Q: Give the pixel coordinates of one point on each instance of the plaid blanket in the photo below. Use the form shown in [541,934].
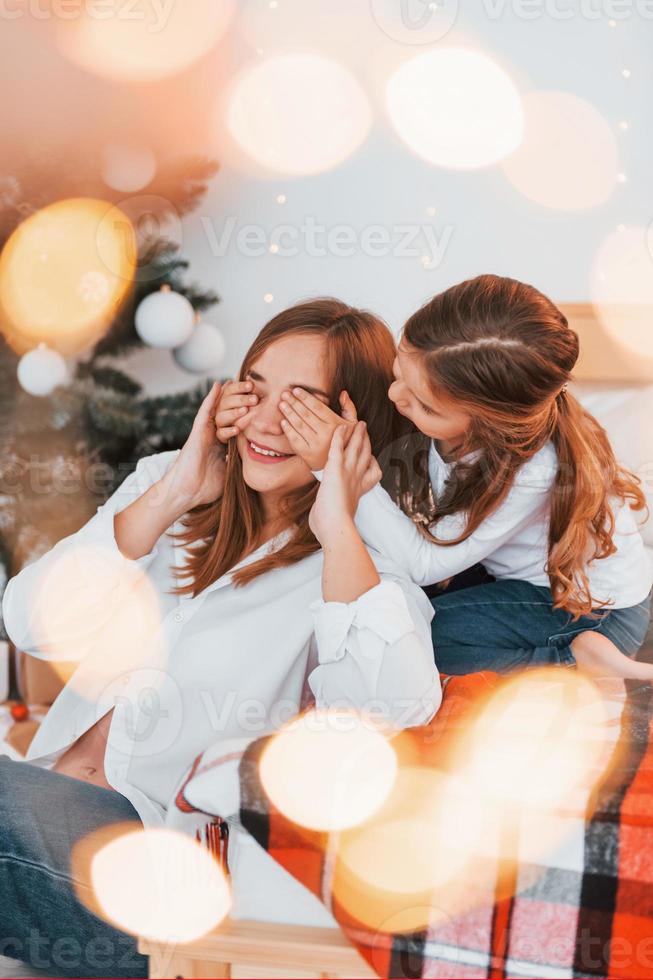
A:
[578,905]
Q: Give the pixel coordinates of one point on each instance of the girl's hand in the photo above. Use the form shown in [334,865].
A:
[197,475]
[351,470]
[309,424]
[232,413]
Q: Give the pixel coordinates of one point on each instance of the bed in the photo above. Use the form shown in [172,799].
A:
[550,888]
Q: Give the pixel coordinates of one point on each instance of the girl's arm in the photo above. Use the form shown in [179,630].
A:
[310,425]
[372,632]
[348,570]
[382,524]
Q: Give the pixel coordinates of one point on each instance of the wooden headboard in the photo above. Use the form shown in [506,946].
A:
[602,358]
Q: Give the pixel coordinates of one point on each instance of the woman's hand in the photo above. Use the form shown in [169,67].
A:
[309,424]
[197,475]
[351,470]
[233,407]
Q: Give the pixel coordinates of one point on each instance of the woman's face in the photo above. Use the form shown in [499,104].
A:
[269,465]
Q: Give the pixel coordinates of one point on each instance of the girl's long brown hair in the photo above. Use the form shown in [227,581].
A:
[359,352]
[505,353]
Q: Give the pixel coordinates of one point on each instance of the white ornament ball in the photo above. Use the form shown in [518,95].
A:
[165,319]
[41,370]
[203,352]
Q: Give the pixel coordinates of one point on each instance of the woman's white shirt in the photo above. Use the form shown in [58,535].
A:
[183,672]
[512,543]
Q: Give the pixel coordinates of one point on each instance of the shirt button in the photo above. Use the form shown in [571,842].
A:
[179,617]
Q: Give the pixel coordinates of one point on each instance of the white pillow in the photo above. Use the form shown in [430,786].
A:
[626,413]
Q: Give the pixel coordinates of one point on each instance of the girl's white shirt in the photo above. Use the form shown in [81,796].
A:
[231,662]
[512,543]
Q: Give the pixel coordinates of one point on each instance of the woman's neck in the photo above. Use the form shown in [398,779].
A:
[274,520]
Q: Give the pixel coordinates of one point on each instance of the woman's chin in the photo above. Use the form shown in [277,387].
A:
[276,477]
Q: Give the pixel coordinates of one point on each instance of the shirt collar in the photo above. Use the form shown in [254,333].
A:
[467,458]
[268,547]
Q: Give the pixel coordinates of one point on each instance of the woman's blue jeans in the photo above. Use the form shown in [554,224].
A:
[42,922]
[509,624]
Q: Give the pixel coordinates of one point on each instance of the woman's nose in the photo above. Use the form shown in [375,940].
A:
[267,416]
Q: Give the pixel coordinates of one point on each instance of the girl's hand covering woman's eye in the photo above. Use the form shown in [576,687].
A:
[351,470]
[309,424]
[233,408]
[197,475]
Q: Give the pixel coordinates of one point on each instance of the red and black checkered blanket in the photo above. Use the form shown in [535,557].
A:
[560,890]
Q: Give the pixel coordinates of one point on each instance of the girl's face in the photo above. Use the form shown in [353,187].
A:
[294,361]
[438,417]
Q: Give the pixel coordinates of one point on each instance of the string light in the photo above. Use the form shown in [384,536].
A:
[621,178]
[281,198]
[274,248]
[625,72]
[624,125]
[430,211]
[612,23]
[268,298]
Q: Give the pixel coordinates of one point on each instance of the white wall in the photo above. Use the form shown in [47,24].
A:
[492,228]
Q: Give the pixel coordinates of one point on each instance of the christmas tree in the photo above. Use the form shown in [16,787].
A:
[63,455]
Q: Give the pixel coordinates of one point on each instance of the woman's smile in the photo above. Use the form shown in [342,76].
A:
[261,453]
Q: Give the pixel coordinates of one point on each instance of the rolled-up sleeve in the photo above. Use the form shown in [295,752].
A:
[376,654]
[96,572]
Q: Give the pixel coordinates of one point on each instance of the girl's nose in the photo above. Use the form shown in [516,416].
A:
[396,393]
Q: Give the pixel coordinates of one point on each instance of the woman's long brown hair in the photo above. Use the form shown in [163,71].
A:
[504,353]
[359,351]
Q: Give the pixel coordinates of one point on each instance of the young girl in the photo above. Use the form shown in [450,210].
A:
[260,597]
[505,469]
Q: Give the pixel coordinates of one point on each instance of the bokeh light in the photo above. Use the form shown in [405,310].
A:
[456,108]
[328,769]
[110,640]
[525,759]
[128,167]
[155,883]
[298,113]
[622,287]
[540,738]
[420,843]
[63,273]
[145,43]
[568,158]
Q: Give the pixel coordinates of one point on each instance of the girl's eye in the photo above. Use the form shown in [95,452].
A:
[427,410]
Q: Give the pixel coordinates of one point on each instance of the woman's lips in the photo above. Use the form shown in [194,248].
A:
[262,457]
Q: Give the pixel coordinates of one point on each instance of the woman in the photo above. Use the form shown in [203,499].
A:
[282,604]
